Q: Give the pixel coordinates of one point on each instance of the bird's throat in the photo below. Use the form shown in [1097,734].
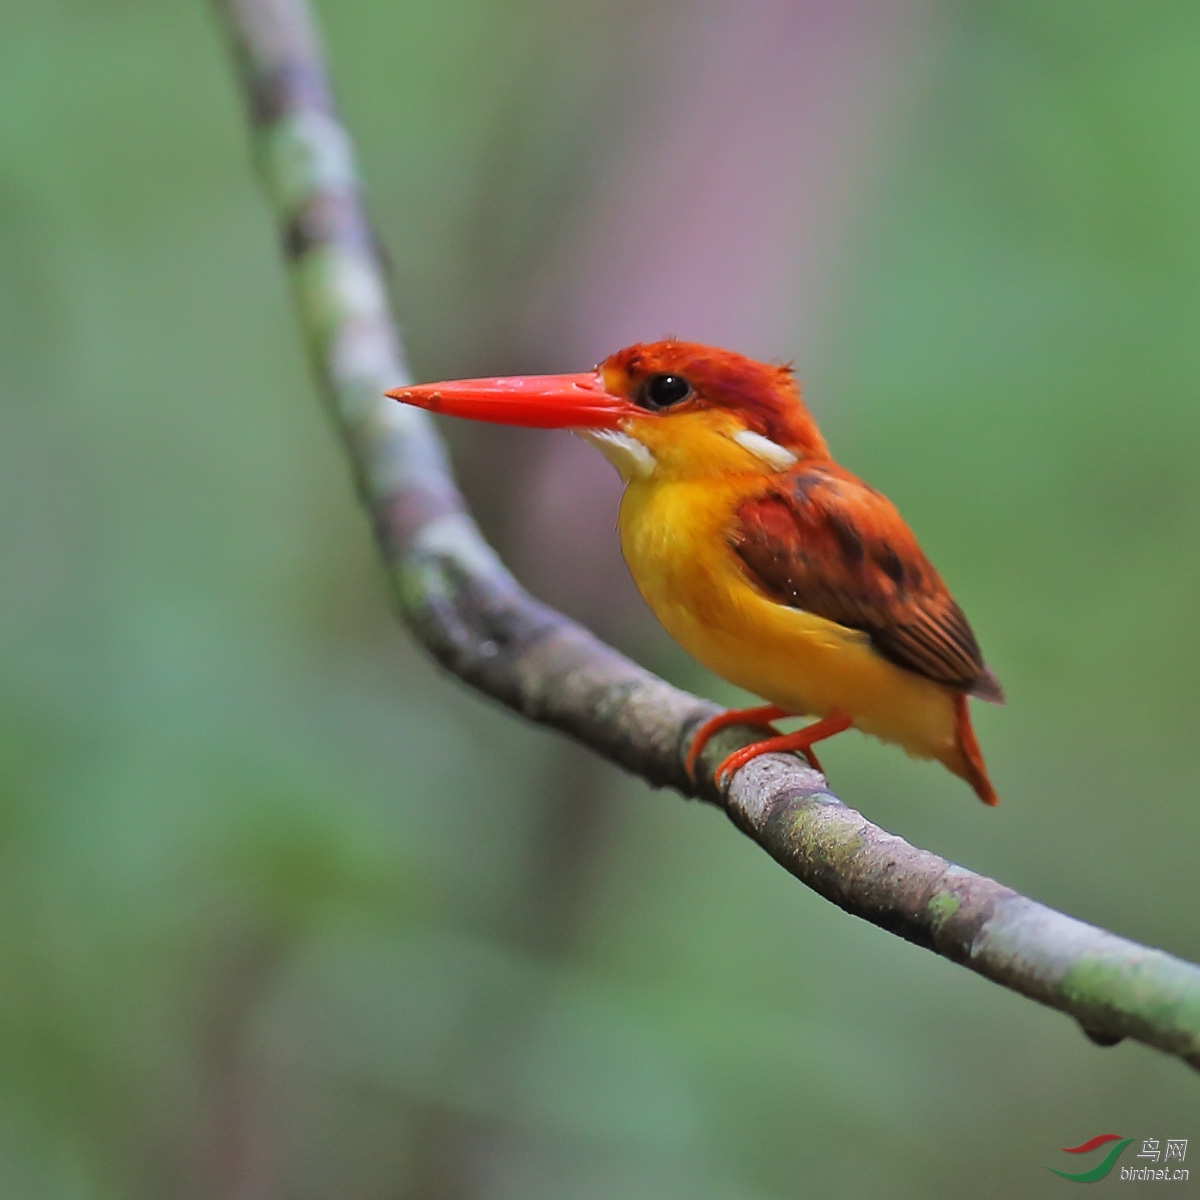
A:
[632,458]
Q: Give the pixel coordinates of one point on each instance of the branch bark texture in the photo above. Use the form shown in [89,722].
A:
[461,603]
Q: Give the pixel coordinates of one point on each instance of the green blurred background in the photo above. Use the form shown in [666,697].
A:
[284,912]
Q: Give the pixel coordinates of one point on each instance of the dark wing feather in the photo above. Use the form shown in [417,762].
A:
[824,542]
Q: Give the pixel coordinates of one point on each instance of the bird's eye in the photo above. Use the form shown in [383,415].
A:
[661,391]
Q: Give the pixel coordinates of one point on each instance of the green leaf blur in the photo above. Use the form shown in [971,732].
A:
[286,912]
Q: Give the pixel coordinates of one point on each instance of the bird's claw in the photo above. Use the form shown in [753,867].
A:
[762,716]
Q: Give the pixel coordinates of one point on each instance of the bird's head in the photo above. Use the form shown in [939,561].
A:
[666,408]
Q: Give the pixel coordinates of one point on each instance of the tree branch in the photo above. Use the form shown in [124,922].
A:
[462,604]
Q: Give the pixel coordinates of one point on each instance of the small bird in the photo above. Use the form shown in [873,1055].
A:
[773,566]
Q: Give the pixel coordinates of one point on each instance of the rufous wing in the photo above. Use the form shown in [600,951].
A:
[823,541]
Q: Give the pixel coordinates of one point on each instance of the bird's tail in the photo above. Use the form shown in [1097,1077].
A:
[970,765]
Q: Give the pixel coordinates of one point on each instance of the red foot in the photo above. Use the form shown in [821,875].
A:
[802,740]
[763,715]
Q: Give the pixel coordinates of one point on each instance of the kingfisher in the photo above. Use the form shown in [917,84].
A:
[769,563]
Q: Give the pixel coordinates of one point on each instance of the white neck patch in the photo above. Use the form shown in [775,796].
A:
[630,457]
[772,453]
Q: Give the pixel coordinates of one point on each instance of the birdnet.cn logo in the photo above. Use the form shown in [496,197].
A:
[1161,1160]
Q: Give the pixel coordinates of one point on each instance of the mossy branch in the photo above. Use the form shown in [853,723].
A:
[462,604]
